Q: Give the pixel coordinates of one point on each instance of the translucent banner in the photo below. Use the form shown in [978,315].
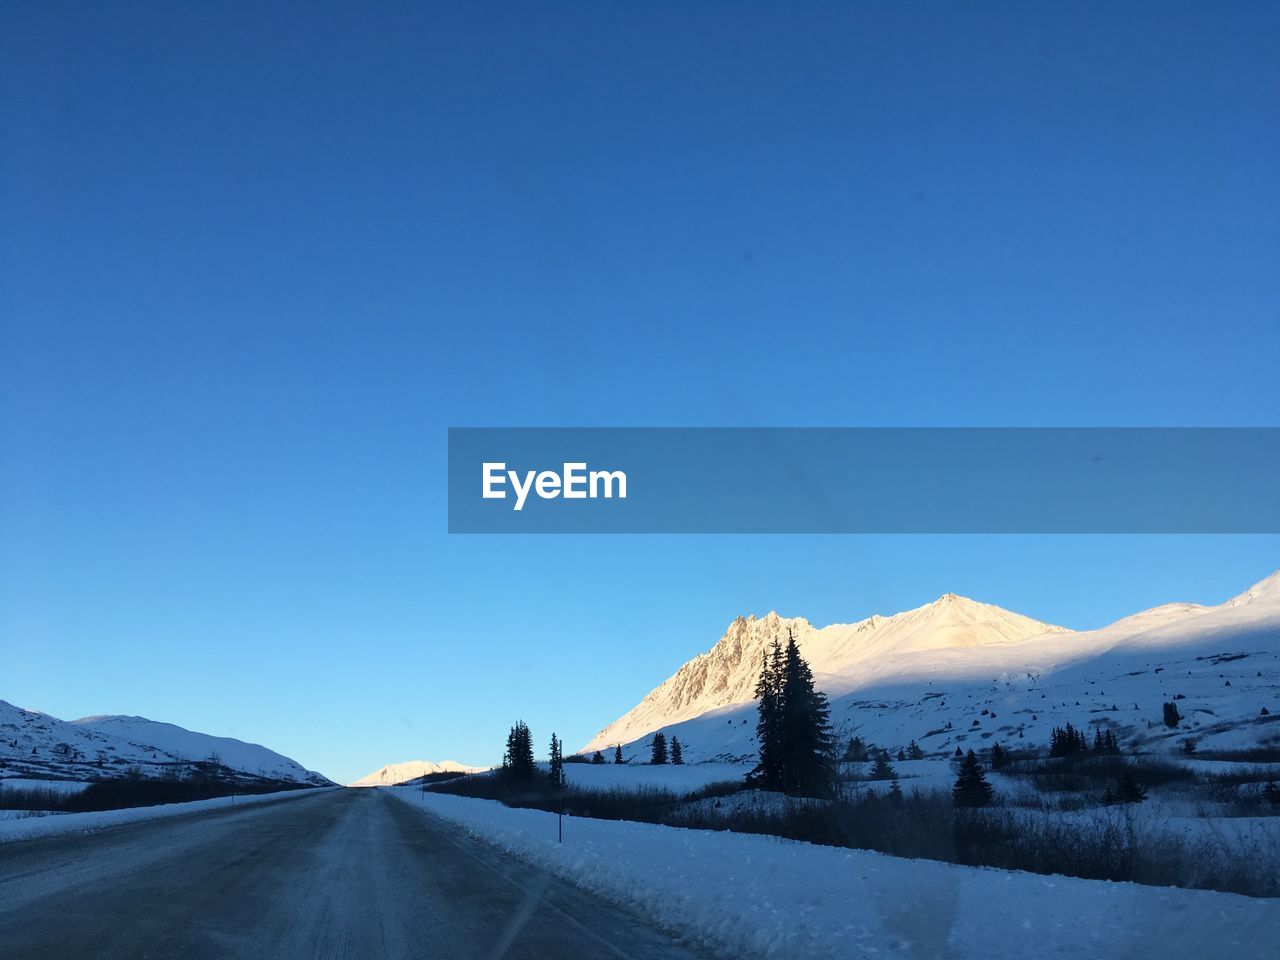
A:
[864,480]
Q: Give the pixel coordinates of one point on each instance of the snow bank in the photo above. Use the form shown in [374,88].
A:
[36,827]
[761,896]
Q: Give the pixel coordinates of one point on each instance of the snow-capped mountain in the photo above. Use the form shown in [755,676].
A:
[394,773]
[727,673]
[956,671]
[36,745]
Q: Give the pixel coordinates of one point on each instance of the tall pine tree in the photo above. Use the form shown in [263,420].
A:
[659,755]
[617,753]
[769,724]
[677,751]
[856,751]
[999,756]
[797,747]
[517,762]
[557,762]
[883,770]
[808,745]
[971,789]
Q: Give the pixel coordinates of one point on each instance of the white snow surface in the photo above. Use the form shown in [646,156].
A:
[38,746]
[961,673]
[59,824]
[755,896]
[677,778]
[394,773]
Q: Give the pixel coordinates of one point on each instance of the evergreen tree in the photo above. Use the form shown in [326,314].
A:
[677,752]
[856,751]
[557,762]
[971,789]
[617,754]
[895,792]
[1127,790]
[597,757]
[797,747]
[1065,741]
[914,751]
[883,770]
[1098,745]
[902,755]
[958,753]
[999,756]
[517,762]
[659,755]
[807,741]
[769,771]
[1171,715]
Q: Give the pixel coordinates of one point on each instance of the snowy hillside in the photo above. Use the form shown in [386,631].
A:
[37,745]
[727,674]
[958,672]
[394,773]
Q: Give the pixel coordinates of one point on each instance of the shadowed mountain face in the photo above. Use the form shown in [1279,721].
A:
[915,675]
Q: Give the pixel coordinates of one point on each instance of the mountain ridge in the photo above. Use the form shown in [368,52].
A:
[951,640]
[393,773]
[726,674]
[40,746]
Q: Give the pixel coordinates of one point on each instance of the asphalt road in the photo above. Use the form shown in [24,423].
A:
[347,873]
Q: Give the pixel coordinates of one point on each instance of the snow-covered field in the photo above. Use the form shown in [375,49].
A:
[760,896]
[677,778]
[35,827]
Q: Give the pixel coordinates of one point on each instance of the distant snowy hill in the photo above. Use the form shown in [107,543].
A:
[394,773]
[37,745]
[956,672]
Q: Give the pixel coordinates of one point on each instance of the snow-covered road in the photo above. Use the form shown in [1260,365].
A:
[347,873]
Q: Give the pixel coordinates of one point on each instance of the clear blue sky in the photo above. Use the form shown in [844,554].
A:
[253,263]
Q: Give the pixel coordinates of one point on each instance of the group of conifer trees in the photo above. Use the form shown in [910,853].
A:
[1064,741]
[794,726]
[518,763]
[661,755]
[517,759]
[1067,741]
[859,752]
